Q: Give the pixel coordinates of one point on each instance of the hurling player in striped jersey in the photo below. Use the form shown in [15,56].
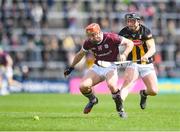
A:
[144,49]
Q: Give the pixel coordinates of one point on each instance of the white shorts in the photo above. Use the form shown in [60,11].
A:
[9,72]
[142,69]
[6,72]
[103,71]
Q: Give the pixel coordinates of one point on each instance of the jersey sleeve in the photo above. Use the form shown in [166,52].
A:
[122,32]
[147,34]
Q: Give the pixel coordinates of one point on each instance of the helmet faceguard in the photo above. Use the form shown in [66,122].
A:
[132,16]
[132,21]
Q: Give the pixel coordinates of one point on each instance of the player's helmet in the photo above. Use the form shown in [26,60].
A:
[93,28]
[132,16]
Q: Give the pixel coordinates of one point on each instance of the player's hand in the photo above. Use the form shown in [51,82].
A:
[144,59]
[122,57]
[68,71]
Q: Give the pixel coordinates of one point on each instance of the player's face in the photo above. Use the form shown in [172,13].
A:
[94,37]
[132,24]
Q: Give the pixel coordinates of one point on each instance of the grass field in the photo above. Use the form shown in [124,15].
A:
[63,112]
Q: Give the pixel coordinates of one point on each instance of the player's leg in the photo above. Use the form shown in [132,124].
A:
[130,76]
[111,79]
[151,83]
[88,81]
[8,78]
[3,86]
[0,84]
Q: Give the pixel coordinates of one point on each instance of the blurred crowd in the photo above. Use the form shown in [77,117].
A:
[42,36]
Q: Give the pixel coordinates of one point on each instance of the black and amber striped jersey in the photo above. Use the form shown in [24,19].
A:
[139,38]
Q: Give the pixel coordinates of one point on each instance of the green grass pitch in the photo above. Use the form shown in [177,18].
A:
[63,112]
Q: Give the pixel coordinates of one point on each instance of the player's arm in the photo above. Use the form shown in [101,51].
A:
[151,49]
[78,57]
[9,60]
[149,41]
[76,60]
[128,48]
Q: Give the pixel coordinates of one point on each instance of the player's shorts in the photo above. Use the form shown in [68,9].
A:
[103,71]
[143,70]
[6,72]
[9,72]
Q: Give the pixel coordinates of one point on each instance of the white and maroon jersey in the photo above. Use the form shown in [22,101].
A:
[107,50]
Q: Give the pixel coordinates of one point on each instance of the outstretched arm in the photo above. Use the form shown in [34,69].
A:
[76,60]
[129,46]
[9,60]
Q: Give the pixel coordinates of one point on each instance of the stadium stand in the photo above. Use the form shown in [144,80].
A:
[43,35]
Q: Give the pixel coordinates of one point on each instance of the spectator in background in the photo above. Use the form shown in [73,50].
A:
[68,45]
[17,24]
[6,72]
[177,54]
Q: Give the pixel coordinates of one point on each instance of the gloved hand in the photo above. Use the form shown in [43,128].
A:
[68,71]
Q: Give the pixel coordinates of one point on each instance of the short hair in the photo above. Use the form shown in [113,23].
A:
[93,28]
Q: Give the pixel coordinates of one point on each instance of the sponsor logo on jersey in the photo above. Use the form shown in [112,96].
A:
[137,42]
[105,54]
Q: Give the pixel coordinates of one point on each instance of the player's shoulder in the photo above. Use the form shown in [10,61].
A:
[124,30]
[146,31]
[86,43]
[110,34]
[144,26]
